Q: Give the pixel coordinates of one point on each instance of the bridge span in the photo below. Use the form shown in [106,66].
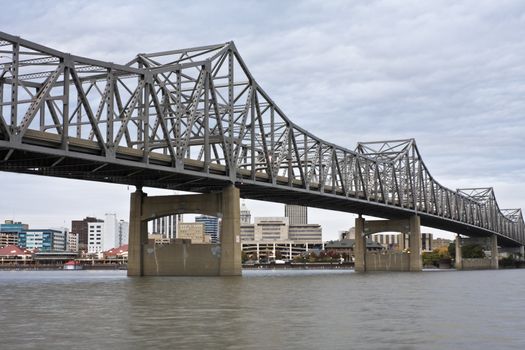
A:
[196,120]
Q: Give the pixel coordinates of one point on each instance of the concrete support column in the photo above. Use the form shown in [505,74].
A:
[258,256]
[359,245]
[416,263]
[138,234]
[230,262]
[522,252]
[494,252]
[401,242]
[459,255]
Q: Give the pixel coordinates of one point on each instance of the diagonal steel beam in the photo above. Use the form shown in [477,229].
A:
[39,100]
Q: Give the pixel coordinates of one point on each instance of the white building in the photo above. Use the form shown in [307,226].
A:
[271,229]
[72,242]
[95,237]
[110,235]
[102,236]
[166,226]
[246,215]
[274,238]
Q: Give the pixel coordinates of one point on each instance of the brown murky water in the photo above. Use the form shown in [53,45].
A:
[263,310]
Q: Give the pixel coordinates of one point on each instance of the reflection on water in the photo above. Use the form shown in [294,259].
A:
[264,309]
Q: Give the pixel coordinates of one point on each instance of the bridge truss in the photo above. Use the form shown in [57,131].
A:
[196,119]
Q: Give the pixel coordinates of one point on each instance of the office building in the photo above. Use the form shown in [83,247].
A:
[271,229]
[211,227]
[305,233]
[95,237]
[9,232]
[192,230]
[247,232]
[8,238]
[157,238]
[45,240]
[122,235]
[391,241]
[246,216]
[72,242]
[166,226]
[296,214]
[80,227]
[102,236]
[274,238]
[12,226]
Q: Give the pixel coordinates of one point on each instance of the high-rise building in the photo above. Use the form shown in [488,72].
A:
[296,214]
[166,225]
[80,227]
[211,227]
[246,216]
[122,236]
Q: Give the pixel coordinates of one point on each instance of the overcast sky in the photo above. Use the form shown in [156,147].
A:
[449,74]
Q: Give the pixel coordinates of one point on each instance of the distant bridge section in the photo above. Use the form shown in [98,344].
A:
[196,120]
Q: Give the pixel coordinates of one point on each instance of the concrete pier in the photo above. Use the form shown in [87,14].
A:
[360,245]
[388,261]
[182,258]
[494,252]
[138,234]
[230,261]
[416,262]
[459,255]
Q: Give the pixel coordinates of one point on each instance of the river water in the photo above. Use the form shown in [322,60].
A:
[270,309]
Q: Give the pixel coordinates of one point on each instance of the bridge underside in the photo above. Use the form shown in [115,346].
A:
[124,169]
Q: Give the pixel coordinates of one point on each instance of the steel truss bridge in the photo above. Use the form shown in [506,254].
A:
[195,120]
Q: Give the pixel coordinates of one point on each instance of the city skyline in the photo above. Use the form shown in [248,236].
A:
[410,76]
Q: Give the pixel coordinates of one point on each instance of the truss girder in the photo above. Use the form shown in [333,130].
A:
[200,108]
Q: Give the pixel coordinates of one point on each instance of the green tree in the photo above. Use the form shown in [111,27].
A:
[469,251]
[452,249]
[472,251]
